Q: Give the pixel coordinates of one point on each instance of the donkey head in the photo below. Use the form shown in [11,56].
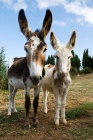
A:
[35,46]
[63,54]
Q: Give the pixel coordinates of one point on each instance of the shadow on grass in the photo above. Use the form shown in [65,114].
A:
[82,110]
[85,110]
[14,118]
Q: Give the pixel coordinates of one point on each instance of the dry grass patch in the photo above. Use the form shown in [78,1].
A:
[79,114]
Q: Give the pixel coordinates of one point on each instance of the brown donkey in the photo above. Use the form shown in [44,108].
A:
[27,72]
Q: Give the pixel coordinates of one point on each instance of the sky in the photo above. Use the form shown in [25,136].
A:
[68,15]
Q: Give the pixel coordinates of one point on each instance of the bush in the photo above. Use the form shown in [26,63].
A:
[73,71]
[81,71]
[3,76]
[4,84]
[87,70]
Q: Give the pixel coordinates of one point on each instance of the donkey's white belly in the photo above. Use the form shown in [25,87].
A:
[17,83]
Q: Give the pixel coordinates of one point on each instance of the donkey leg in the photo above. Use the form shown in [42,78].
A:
[27,107]
[35,105]
[13,103]
[10,87]
[45,95]
[57,106]
[63,104]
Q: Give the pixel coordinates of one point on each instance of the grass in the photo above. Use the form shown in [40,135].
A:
[4,132]
[79,111]
[82,133]
[3,92]
[14,118]
[90,125]
[79,114]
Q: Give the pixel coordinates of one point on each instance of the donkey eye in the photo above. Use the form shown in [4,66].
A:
[44,50]
[26,50]
[57,57]
[69,57]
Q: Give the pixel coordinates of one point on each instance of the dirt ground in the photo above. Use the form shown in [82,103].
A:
[80,127]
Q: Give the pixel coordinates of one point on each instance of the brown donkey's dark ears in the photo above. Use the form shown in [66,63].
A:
[47,22]
[23,24]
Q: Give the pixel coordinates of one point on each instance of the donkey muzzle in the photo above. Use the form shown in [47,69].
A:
[62,75]
[35,79]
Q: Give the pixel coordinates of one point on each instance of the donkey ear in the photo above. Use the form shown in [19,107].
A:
[54,41]
[47,22]
[71,43]
[23,24]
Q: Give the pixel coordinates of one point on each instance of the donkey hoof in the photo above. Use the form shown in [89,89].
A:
[9,114]
[27,126]
[15,110]
[45,111]
[64,121]
[35,125]
[56,124]
[56,121]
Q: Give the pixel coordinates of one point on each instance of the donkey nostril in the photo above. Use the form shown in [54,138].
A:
[66,74]
[30,78]
[40,77]
[63,74]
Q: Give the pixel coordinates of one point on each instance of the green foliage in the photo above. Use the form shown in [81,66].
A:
[81,71]
[87,61]
[87,70]
[3,77]
[83,59]
[75,61]
[50,60]
[73,71]
[75,64]
[91,63]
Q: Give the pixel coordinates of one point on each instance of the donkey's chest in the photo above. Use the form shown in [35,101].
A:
[61,84]
[19,83]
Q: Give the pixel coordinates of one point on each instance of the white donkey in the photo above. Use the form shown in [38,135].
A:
[27,72]
[57,78]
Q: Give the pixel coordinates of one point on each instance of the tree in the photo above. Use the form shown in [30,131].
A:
[75,61]
[50,60]
[83,60]
[92,62]
[87,61]
[3,77]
